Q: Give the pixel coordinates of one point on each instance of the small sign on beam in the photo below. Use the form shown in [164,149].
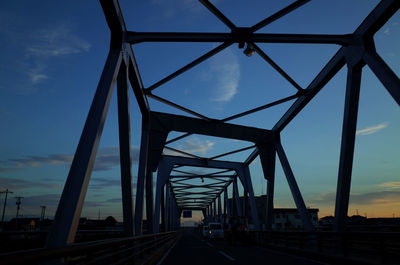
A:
[187,214]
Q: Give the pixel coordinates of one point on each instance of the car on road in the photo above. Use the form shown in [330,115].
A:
[215,230]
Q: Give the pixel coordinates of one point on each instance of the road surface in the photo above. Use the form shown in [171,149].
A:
[192,249]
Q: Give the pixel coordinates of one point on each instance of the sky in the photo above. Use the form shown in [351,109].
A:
[51,60]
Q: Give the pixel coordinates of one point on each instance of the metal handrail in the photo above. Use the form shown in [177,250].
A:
[87,249]
[374,246]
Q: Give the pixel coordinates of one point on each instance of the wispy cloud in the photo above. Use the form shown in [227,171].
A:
[106,159]
[34,51]
[19,184]
[193,146]
[56,41]
[394,185]
[367,198]
[372,129]
[225,69]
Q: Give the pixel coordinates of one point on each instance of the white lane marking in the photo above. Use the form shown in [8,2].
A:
[209,244]
[226,255]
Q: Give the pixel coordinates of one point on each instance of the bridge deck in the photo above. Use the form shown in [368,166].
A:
[191,248]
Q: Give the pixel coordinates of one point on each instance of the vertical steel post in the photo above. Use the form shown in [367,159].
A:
[268,161]
[245,178]
[294,188]
[347,145]
[204,211]
[163,224]
[163,172]
[215,210]
[245,203]
[167,208]
[142,171]
[227,209]
[149,200]
[236,204]
[125,149]
[71,202]
[219,209]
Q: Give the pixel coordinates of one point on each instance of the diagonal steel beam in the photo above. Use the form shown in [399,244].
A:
[71,202]
[268,105]
[172,104]
[218,14]
[278,14]
[276,66]
[182,152]
[189,66]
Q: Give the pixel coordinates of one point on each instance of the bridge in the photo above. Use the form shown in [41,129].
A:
[163,240]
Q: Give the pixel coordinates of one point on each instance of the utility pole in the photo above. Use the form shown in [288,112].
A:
[5,204]
[18,203]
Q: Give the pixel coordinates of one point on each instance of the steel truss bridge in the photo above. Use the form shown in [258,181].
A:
[174,190]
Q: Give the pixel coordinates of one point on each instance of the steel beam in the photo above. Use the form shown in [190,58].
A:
[164,170]
[219,209]
[245,178]
[387,77]
[163,209]
[227,209]
[218,14]
[326,74]
[293,6]
[265,106]
[377,18]
[71,202]
[125,149]
[235,199]
[298,199]
[268,161]
[149,200]
[215,210]
[172,104]
[276,66]
[241,35]
[188,66]
[347,145]
[141,178]
[167,209]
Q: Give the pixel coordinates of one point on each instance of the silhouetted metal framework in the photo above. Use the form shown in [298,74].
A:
[356,51]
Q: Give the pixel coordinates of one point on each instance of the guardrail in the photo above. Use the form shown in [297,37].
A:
[23,240]
[132,250]
[368,247]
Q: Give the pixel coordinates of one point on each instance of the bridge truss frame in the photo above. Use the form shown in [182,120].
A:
[356,51]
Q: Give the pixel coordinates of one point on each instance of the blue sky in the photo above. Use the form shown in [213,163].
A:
[52,56]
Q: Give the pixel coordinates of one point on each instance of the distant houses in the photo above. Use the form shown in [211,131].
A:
[283,219]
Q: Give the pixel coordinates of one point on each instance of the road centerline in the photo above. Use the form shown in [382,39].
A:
[226,255]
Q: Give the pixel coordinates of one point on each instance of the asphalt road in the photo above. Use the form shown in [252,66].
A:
[192,249]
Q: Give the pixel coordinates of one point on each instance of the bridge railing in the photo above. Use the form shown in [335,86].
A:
[23,240]
[371,246]
[132,250]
